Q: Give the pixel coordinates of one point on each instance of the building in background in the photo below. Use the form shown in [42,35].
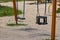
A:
[58,4]
[49,1]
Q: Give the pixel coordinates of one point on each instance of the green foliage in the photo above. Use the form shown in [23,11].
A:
[12,0]
[58,11]
[7,11]
[7,0]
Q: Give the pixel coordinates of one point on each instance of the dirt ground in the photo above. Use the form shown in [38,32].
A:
[32,31]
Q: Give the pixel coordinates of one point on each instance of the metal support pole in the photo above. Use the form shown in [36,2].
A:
[15,12]
[53,20]
[38,8]
[23,8]
[45,7]
[17,5]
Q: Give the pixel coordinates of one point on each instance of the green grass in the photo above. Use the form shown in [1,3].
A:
[11,0]
[7,0]
[58,11]
[7,11]
[12,24]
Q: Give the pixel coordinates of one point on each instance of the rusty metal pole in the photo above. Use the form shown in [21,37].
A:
[53,29]
[15,11]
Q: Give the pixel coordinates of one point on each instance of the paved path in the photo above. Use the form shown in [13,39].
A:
[32,31]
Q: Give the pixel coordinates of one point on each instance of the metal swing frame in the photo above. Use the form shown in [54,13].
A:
[38,17]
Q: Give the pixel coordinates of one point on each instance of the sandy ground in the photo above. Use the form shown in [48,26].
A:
[32,31]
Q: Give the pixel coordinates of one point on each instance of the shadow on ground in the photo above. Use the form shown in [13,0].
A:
[33,32]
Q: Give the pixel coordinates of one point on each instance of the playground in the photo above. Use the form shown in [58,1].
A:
[31,31]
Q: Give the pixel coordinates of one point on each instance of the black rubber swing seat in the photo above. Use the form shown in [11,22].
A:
[22,18]
[38,20]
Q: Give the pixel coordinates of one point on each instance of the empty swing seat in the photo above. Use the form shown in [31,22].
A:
[22,18]
[38,20]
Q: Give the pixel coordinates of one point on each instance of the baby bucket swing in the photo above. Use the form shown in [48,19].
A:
[38,17]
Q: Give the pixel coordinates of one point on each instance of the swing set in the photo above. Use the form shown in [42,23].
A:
[38,17]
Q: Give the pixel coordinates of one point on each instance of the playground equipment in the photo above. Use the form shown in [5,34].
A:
[15,12]
[15,6]
[38,17]
[53,28]
[53,17]
[23,14]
